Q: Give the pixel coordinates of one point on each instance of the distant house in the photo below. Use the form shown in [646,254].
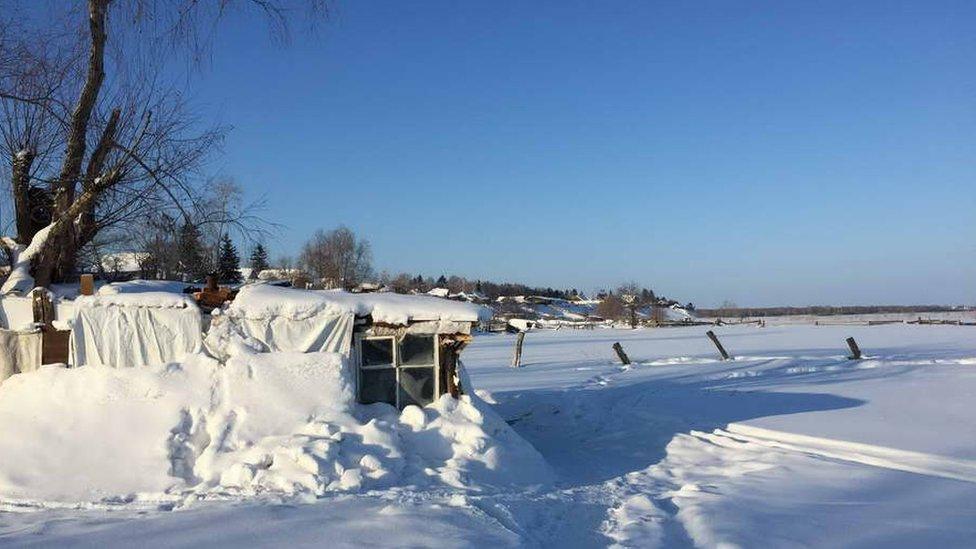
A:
[125,265]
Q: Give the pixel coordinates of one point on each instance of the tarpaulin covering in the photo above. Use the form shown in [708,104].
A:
[134,330]
[20,352]
[321,332]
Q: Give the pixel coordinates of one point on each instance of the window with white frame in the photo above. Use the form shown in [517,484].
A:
[400,372]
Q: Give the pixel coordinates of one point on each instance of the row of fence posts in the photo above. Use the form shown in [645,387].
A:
[624,359]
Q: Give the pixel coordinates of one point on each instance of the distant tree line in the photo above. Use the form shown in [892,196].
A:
[820,310]
[198,245]
[408,283]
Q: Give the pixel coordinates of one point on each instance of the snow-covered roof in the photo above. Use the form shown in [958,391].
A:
[124,262]
[265,301]
[278,274]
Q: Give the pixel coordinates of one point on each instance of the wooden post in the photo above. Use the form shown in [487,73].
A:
[711,335]
[855,350]
[517,359]
[42,307]
[54,343]
[87,284]
[620,353]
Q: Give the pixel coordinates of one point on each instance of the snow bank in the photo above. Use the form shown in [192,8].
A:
[93,433]
[277,424]
[261,301]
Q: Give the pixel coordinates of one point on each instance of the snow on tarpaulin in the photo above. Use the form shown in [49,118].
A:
[285,319]
[142,286]
[261,301]
[135,329]
[279,424]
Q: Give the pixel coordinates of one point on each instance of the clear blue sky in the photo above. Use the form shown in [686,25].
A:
[770,153]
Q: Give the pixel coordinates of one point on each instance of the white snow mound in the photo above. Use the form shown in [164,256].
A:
[276,424]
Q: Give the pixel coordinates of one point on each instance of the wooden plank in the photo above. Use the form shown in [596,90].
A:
[517,359]
[855,350]
[54,345]
[42,307]
[617,348]
[87,284]
[718,344]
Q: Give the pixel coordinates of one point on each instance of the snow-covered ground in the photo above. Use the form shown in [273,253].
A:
[790,444]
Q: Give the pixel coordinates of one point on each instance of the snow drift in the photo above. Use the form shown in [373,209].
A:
[277,424]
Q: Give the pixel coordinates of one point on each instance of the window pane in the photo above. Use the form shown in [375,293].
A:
[377,386]
[416,386]
[415,349]
[377,352]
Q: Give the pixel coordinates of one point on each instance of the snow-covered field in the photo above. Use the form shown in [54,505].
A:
[791,444]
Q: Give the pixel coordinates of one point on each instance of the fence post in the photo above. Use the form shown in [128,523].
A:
[855,350]
[87,286]
[718,345]
[517,359]
[620,353]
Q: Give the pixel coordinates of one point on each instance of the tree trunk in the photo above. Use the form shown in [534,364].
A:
[57,257]
[81,116]
[20,185]
[47,264]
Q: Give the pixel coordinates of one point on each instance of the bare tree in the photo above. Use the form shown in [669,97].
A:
[221,210]
[284,262]
[611,308]
[337,257]
[634,297]
[93,138]
[401,283]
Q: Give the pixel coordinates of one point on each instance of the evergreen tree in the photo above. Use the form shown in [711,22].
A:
[228,262]
[442,281]
[192,262]
[259,260]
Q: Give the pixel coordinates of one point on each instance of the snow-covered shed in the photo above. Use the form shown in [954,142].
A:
[404,348]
